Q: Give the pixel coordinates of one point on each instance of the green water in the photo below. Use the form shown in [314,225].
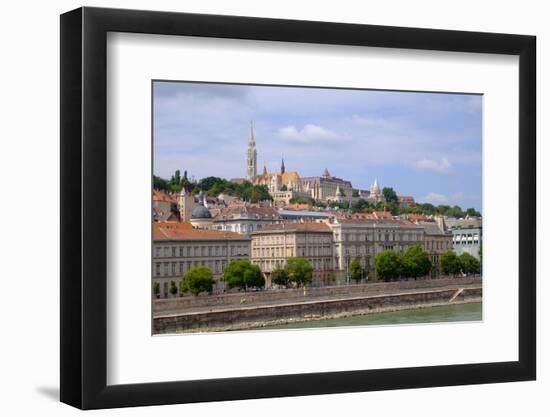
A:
[455,312]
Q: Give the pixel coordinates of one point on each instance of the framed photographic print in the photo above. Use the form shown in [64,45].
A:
[258,207]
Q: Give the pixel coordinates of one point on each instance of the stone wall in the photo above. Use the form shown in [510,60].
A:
[190,302]
[247,317]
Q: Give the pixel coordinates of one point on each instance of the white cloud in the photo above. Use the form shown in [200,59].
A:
[442,166]
[309,134]
[435,198]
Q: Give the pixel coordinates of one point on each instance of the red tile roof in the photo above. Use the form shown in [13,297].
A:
[382,215]
[184,231]
[160,195]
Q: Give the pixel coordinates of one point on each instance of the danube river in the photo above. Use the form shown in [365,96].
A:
[448,313]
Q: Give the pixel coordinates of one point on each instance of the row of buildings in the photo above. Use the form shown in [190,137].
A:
[268,237]
[190,232]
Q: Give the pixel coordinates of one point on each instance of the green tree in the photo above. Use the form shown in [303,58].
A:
[469,264]
[242,274]
[156,289]
[173,289]
[427,208]
[357,272]
[300,271]
[415,262]
[360,205]
[473,212]
[390,195]
[176,178]
[388,265]
[284,188]
[339,204]
[280,276]
[196,280]
[259,193]
[303,200]
[450,264]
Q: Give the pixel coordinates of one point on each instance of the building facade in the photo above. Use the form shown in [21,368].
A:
[467,235]
[245,218]
[186,204]
[326,187]
[363,239]
[178,247]
[437,238]
[273,245]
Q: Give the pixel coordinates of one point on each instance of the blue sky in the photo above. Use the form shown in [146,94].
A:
[427,145]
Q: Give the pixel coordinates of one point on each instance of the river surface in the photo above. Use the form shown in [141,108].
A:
[449,313]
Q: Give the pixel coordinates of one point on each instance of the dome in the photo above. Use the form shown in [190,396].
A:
[200,212]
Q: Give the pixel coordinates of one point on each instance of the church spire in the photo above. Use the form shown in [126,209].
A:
[251,140]
[251,156]
[282,164]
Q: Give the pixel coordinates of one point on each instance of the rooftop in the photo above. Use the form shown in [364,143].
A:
[303,213]
[294,227]
[246,211]
[184,231]
[161,195]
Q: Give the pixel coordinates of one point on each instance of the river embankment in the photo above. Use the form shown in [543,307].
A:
[271,308]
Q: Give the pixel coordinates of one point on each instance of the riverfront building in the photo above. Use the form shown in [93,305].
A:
[437,238]
[363,239]
[178,247]
[467,235]
[273,245]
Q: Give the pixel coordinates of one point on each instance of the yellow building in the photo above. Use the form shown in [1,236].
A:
[272,245]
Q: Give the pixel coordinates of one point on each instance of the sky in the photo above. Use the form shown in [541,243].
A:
[427,145]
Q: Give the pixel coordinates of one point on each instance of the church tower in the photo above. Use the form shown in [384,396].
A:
[186,204]
[282,164]
[251,156]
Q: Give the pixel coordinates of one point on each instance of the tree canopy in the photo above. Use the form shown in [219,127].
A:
[389,195]
[469,264]
[196,280]
[450,264]
[242,274]
[299,270]
[280,277]
[415,262]
[357,272]
[388,265]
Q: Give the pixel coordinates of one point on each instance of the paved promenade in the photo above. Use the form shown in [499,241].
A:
[273,298]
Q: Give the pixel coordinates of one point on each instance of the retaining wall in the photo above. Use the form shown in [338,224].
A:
[190,302]
[247,317]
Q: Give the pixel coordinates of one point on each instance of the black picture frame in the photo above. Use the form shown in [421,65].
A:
[84,207]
